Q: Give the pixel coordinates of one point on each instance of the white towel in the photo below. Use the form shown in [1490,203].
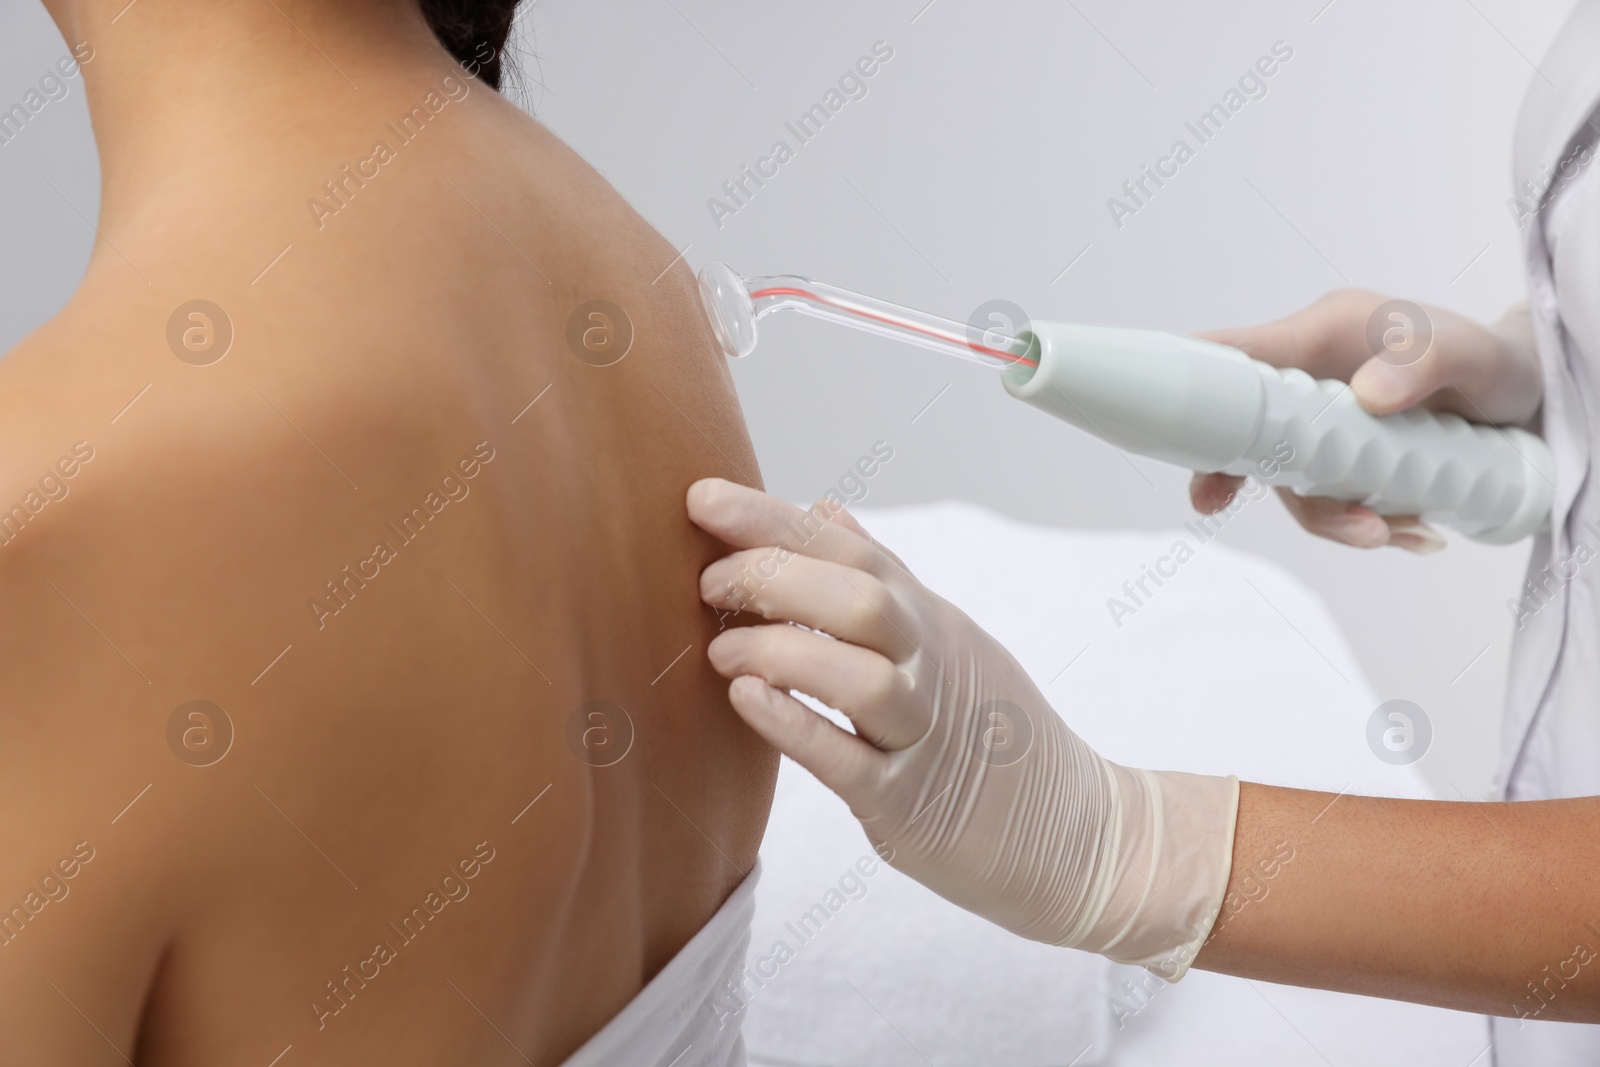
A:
[681,1019]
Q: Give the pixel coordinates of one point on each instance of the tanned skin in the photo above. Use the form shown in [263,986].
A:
[409,757]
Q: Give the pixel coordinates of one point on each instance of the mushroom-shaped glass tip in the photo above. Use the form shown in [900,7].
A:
[726,297]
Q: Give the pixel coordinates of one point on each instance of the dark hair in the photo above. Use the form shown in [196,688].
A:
[474,31]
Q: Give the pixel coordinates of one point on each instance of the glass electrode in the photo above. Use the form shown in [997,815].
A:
[735,304]
[1202,406]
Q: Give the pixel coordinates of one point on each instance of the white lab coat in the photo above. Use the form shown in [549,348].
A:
[1551,731]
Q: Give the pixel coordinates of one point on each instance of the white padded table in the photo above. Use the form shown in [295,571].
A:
[1231,665]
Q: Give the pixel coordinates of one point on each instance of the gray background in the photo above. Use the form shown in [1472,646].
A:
[978,166]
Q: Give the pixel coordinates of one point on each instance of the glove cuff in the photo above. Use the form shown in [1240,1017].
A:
[1169,852]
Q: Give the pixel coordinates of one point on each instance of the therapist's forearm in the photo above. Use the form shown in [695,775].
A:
[1491,908]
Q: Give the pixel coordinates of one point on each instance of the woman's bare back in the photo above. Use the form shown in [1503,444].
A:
[357,676]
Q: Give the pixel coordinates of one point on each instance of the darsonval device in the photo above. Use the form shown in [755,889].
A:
[1203,406]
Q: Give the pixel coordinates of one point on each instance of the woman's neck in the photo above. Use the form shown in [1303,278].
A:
[214,102]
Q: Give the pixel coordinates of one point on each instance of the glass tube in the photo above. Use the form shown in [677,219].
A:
[735,303]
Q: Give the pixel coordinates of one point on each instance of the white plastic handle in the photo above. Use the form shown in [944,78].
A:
[1212,408]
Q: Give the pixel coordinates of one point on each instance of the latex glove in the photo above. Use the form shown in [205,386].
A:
[959,771]
[1484,374]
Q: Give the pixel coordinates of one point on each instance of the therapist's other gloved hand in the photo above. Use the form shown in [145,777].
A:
[960,772]
[1482,373]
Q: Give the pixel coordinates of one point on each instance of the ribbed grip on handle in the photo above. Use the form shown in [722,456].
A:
[1209,407]
[1492,484]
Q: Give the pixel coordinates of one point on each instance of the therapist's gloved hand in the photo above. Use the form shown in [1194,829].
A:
[1482,373]
[959,771]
